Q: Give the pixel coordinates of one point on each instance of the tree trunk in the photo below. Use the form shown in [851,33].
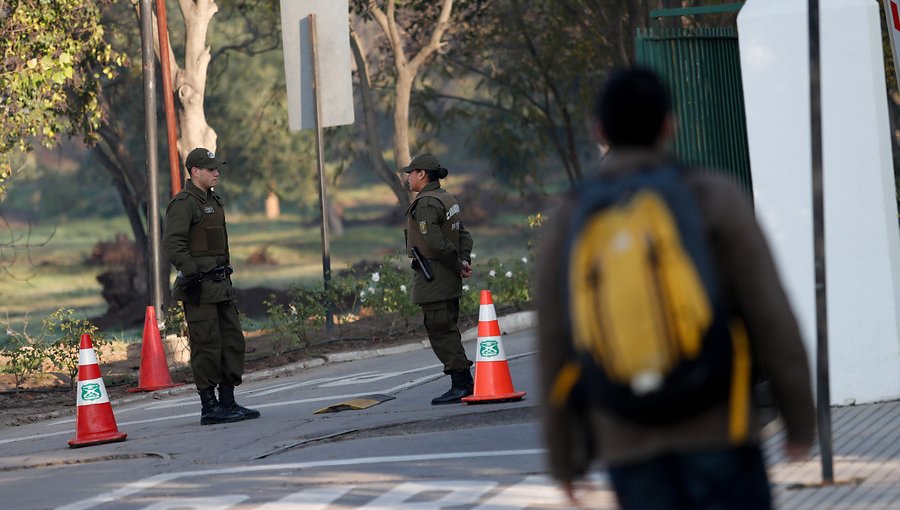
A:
[273,206]
[402,157]
[190,81]
[369,125]
[403,91]
[129,183]
[335,219]
[406,70]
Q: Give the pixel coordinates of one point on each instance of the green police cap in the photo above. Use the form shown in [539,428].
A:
[202,158]
[423,162]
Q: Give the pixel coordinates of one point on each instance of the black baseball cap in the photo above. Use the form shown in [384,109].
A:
[423,162]
[202,158]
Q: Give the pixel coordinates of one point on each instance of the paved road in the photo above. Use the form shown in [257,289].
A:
[402,453]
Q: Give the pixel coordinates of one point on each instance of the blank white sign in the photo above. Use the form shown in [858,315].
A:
[333,39]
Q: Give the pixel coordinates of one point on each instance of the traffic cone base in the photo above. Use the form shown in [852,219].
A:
[494,399]
[493,383]
[94,419]
[101,416]
[154,374]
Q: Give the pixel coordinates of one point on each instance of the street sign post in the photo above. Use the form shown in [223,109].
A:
[311,28]
[333,36]
[154,231]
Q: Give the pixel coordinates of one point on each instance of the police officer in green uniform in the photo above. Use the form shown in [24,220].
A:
[196,242]
[441,251]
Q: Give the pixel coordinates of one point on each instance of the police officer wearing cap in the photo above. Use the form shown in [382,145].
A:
[441,251]
[196,241]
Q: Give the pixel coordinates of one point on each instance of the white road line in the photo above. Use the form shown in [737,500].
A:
[396,389]
[184,400]
[150,482]
[289,386]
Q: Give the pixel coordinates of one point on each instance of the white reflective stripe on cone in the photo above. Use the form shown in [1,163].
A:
[91,392]
[490,348]
[487,313]
[87,357]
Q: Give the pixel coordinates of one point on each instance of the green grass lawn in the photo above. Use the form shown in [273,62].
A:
[52,273]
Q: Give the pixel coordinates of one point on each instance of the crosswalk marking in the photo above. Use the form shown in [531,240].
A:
[153,481]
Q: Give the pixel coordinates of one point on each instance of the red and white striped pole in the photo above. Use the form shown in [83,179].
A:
[892,16]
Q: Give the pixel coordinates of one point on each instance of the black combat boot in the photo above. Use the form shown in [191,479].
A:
[212,412]
[226,400]
[462,385]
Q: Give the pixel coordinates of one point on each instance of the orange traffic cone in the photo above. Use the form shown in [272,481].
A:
[94,420]
[154,374]
[492,380]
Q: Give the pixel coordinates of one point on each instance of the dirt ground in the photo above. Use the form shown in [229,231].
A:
[50,396]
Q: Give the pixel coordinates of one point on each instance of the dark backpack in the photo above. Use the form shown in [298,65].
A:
[648,331]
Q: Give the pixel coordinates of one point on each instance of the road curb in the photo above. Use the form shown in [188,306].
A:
[512,323]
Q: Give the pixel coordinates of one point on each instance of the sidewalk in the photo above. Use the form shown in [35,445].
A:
[866,458]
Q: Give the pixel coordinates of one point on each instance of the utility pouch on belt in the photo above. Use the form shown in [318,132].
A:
[423,264]
[219,273]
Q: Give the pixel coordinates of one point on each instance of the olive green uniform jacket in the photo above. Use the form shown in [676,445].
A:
[750,283]
[434,226]
[196,240]
[429,216]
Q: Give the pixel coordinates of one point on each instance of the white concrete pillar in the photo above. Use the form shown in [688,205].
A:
[862,241]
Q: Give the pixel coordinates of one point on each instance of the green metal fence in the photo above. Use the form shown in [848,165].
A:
[702,68]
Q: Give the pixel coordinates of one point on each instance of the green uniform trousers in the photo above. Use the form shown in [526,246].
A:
[441,323]
[217,343]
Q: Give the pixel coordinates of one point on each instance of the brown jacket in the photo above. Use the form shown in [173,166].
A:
[749,280]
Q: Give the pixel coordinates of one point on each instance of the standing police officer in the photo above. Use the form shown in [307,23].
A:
[440,248]
[196,242]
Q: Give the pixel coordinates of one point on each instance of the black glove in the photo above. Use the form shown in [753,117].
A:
[191,285]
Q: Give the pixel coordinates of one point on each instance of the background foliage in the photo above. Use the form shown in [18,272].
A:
[54,58]
[504,103]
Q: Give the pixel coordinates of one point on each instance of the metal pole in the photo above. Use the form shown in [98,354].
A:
[893,23]
[320,164]
[162,25]
[148,58]
[823,391]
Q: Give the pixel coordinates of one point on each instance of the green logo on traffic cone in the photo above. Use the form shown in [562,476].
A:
[489,348]
[91,392]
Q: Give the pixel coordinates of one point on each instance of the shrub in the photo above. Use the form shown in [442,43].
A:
[175,321]
[290,323]
[469,303]
[343,296]
[26,354]
[66,331]
[386,292]
[509,283]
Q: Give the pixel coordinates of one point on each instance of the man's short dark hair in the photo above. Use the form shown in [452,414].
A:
[631,107]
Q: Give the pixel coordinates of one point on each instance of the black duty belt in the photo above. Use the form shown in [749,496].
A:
[219,273]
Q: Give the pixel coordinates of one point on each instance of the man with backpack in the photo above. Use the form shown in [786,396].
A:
[657,295]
